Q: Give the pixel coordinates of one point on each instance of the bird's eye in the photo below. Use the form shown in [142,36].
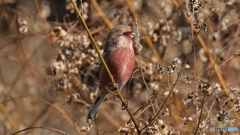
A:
[125,33]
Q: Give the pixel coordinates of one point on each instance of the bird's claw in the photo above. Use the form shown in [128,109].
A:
[112,87]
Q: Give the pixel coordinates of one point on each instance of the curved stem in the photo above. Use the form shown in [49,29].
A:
[53,129]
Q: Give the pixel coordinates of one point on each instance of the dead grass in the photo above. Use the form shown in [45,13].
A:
[187,67]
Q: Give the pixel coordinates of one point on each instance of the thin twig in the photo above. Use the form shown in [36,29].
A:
[148,39]
[212,61]
[175,83]
[53,129]
[204,46]
[170,92]
[101,13]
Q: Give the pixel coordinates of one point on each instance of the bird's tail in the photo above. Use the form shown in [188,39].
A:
[95,106]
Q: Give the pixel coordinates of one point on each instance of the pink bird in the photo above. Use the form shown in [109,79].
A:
[119,57]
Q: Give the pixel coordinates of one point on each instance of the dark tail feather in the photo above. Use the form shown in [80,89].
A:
[95,106]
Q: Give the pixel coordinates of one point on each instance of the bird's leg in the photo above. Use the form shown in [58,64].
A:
[112,87]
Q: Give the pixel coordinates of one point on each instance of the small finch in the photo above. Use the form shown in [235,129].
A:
[119,57]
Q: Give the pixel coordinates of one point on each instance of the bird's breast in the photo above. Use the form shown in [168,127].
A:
[121,64]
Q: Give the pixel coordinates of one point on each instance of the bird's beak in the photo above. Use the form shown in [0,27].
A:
[133,35]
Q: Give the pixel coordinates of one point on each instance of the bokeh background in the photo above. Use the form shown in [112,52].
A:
[49,68]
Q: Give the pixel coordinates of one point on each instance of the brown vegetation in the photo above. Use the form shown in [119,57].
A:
[186,78]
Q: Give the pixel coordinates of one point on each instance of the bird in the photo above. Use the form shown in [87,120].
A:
[120,59]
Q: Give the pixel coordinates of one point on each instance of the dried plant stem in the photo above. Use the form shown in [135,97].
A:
[201,111]
[40,85]
[212,61]
[148,39]
[179,74]
[53,129]
[114,122]
[140,58]
[202,43]
[102,14]
[105,65]
[94,44]
[148,91]
[170,92]
[205,94]
[211,71]
[2,108]
[8,118]
[54,105]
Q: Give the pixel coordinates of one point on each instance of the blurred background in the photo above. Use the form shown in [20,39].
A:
[49,68]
